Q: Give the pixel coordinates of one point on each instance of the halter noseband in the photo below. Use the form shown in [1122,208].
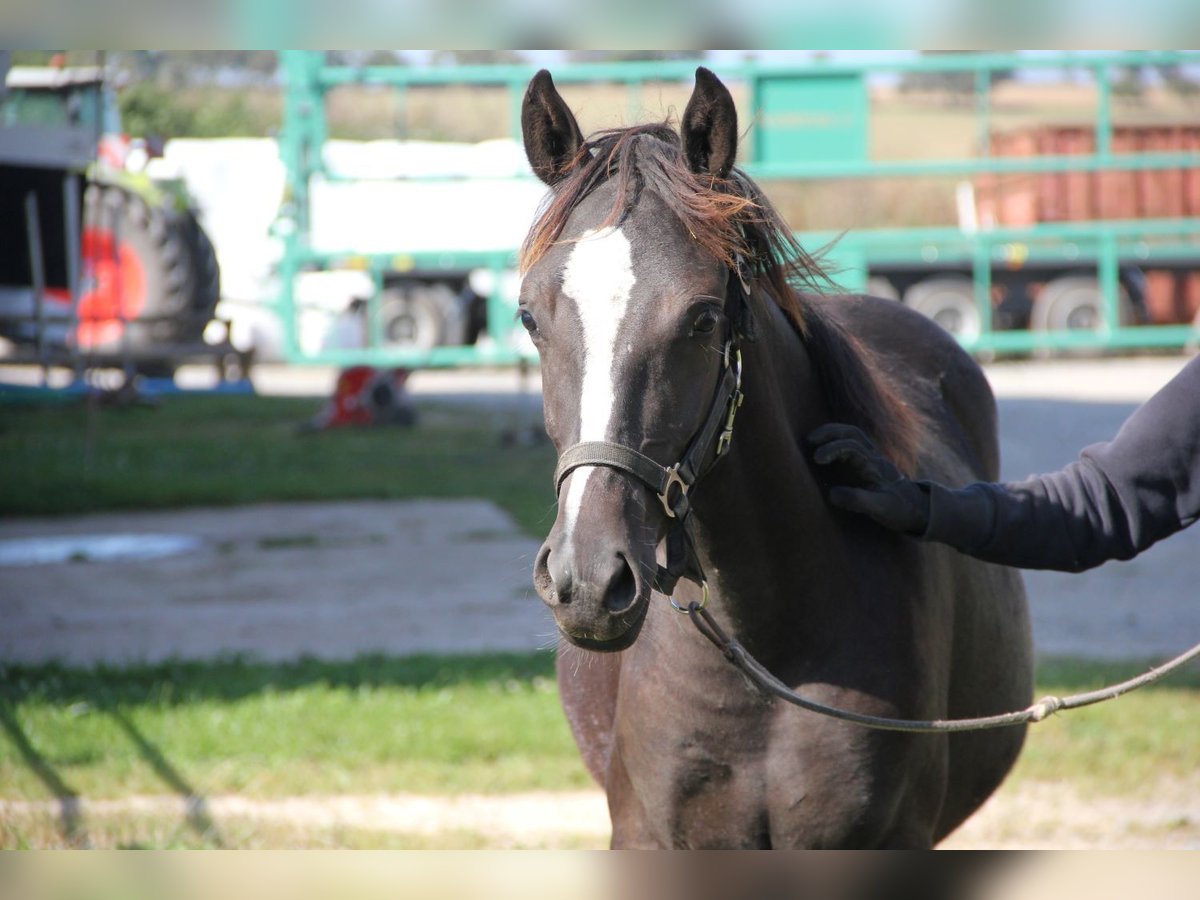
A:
[673,484]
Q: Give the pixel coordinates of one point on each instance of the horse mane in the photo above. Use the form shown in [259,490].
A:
[732,219]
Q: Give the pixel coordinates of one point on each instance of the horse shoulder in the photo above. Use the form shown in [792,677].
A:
[932,373]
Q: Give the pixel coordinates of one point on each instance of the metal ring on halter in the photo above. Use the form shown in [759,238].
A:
[686,609]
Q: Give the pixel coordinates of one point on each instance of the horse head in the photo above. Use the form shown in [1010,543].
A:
[627,297]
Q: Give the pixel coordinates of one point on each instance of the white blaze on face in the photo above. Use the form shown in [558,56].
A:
[598,277]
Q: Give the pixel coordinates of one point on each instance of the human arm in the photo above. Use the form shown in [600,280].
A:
[1116,500]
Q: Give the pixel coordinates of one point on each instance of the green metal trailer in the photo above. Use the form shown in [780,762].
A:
[812,123]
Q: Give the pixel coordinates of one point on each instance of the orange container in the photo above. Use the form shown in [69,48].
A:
[1080,196]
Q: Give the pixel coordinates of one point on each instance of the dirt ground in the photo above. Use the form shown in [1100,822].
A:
[1028,816]
[336,580]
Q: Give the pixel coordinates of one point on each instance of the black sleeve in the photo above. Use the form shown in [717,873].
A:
[1115,501]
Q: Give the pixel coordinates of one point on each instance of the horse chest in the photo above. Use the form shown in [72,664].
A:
[695,773]
[718,765]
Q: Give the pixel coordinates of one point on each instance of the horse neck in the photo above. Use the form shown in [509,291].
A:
[762,523]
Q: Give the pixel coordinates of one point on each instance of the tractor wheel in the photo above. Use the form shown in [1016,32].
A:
[137,273]
[950,301]
[206,279]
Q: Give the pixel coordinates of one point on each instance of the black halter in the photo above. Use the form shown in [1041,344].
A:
[673,484]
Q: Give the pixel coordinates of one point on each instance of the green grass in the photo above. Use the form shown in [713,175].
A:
[441,725]
[1117,747]
[218,451]
[419,724]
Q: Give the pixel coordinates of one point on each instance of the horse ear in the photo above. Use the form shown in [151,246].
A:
[709,130]
[552,136]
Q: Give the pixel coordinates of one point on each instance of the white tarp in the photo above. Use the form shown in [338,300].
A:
[479,202]
[482,199]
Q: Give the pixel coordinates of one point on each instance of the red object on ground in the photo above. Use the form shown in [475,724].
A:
[365,395]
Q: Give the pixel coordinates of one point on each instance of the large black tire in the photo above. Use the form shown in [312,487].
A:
[155,238]
[206,279]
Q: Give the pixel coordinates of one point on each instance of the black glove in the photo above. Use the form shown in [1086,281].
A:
[863,480]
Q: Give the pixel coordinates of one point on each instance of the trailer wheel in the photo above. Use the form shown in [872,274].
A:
[1075,302]
[422,316]
[878,286]
[950,301]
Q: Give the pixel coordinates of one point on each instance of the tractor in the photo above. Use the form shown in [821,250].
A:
[97,261]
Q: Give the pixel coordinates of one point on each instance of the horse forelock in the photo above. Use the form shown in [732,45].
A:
[733,220]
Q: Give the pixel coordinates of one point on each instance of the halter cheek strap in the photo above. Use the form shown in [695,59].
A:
[673,484]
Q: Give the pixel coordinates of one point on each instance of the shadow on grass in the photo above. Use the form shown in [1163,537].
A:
[196,816]
[71,824]
[70,816]
[176,683]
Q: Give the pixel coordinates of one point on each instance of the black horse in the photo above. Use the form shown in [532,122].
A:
[656,279]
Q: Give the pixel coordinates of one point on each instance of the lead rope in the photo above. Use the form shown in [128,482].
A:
[1047,706]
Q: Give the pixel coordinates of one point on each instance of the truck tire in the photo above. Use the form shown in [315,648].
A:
[422,315]
[950,301]
[878,286]
[137,273]
[1075,302]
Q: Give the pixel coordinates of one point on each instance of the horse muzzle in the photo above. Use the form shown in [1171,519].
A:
[599,598]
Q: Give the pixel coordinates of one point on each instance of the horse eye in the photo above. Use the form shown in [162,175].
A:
[528,320]
[705,323]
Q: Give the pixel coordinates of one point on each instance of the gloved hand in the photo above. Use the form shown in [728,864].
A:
[863,480]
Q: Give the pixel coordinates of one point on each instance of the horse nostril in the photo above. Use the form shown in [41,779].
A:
[552,576]
[622,589]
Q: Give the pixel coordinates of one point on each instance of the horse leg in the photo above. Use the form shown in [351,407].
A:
[587,687]
[630,829]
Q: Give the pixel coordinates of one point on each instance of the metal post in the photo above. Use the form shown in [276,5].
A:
[1110,285]
[374,310]
[1103,113]
[982,271]
[72,234]
[983,111]
[634,100]
[400,111]
[37,269]
[516,96]
[119,292]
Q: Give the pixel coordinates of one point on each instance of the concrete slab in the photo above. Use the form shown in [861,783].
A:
[279,581]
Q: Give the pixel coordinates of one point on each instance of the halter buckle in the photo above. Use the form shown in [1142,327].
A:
[668,502]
